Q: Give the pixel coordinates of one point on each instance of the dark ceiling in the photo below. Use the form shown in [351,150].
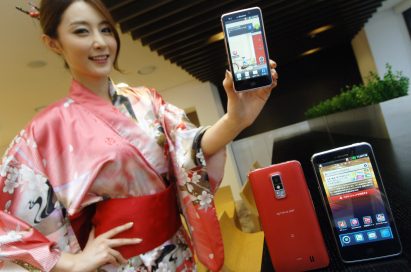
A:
[179,30]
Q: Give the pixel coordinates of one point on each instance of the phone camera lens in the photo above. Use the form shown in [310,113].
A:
[277,182]
[278,186]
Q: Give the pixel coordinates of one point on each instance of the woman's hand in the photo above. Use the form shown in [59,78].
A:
[244,107]
[98,251]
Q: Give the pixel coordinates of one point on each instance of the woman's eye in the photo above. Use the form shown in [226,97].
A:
[81,31]
[106,30]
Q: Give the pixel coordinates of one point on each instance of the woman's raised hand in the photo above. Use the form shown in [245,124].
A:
[244,107]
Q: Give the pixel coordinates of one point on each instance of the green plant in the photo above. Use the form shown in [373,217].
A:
[376,90]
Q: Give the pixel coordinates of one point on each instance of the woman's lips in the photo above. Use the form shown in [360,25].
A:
[99,58]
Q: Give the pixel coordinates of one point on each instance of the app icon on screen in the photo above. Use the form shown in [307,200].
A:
[359,237]
[385,233]
[372,235]
[346,239]
[380,217]
[342,224]
[367,220]
[354,222]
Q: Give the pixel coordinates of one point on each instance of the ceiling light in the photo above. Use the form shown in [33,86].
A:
[36,63]
[146,70]
[319,30]
[216,37]
[311,51]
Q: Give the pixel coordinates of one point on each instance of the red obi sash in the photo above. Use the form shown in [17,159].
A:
[156,219]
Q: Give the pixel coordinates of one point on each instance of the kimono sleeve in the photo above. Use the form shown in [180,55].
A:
[29,212]
[184,138]
[197,179]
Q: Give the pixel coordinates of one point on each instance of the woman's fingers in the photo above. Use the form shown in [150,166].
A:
[101,250]
[111,259]
[116,230]
[228,83]
[118,257]
[274,73]
[117,241]
[91,235]
[124,241]
[273,65]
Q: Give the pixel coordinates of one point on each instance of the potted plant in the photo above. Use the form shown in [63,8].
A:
[376,90]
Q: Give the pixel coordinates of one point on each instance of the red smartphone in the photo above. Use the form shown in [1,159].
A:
[288,217]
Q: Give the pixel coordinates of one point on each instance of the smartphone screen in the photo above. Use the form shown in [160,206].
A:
[247,49]
[355,200]
[357,203]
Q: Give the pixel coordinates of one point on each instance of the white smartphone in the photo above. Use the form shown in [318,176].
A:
[246,48]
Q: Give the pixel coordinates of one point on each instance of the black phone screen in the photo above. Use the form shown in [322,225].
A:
[358,206]
[247,50]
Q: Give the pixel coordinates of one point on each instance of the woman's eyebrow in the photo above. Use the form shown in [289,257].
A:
[79,23]
[75,23]
[104,22]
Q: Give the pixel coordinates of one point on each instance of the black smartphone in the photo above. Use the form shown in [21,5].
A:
[357,205]
[246,47]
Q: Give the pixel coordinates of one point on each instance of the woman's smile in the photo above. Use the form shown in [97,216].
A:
[100,59]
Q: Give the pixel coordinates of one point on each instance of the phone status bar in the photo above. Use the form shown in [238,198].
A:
[342,160]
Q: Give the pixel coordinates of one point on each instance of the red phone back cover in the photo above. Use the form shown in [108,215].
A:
[290,225]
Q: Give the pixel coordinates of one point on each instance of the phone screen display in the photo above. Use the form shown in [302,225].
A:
[358,210]
[247,47]
[356,203]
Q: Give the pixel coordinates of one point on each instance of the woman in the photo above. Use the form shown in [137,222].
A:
[123,145]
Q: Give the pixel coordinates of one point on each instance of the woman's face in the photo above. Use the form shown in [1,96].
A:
[86,42]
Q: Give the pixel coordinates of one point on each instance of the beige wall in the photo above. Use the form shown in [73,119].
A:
[384,40]
[204,98]
[363,54]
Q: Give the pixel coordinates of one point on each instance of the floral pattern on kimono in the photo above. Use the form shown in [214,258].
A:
[82,150]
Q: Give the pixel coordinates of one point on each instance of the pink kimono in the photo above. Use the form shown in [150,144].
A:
[82,150]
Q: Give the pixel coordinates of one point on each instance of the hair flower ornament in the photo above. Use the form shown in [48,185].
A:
[33,11]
